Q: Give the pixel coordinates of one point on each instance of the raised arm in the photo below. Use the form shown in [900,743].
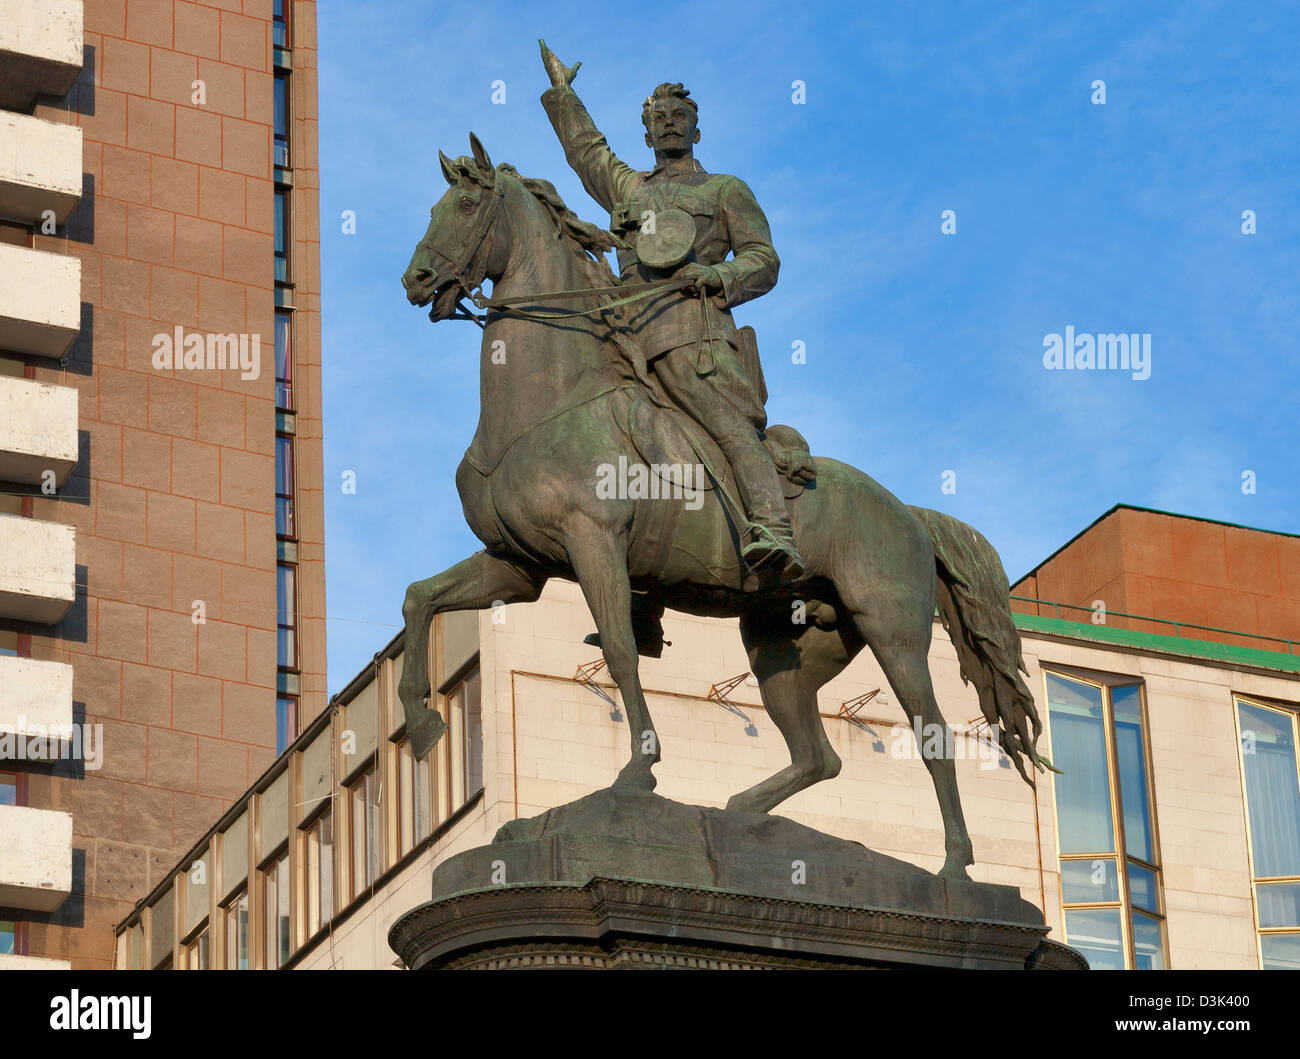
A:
[606,179]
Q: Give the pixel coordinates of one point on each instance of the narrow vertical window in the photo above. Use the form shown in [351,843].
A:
[8,937]
[237,933]
[286,596]
[196,957]
[275,913]
[283,362]
[284,482]
[280,23]
[319,867]
[1110,872]
[282,122]
[286,722]
[1271,776]
[364,827]
[281,236]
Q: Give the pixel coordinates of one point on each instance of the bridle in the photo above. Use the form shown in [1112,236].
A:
[469,289]
[474,291]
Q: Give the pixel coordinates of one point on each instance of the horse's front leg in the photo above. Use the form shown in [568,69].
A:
[599,560]
[472,584]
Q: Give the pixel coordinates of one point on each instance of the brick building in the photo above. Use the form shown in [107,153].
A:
[162,593]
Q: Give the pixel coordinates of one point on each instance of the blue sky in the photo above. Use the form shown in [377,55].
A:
[924,351]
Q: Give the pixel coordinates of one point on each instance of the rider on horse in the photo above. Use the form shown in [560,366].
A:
[689,342]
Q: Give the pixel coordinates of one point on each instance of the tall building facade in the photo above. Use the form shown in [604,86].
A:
[162,593]
[1170,838]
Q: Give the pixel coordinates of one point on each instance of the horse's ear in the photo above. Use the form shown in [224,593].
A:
[487,172]
[448,169]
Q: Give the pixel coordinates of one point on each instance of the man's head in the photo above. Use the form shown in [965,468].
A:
[669,116]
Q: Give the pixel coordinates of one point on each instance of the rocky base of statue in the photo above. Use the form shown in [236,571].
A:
[628,879]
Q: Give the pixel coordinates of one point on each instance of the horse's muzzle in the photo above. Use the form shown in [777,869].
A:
[420,284]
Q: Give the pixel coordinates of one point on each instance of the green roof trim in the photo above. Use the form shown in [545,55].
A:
[1149,641]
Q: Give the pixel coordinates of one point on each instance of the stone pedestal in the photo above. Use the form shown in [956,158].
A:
[619,880]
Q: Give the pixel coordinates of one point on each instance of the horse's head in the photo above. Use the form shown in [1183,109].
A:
[456,253]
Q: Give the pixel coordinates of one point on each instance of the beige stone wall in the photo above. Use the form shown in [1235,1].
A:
[548,740]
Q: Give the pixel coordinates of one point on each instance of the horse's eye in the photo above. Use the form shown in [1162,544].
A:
[466,205]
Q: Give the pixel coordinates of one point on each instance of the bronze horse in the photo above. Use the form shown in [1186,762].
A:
[553,408]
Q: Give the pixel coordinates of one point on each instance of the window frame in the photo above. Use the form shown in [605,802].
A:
[230,920]
[1292,712]
[315,888]
[1105,684]
[280,865]
[292,665]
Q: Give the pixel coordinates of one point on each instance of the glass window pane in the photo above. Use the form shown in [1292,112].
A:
[282,908]
[286,723]
[406,788]
[237,934]
[283,362]
[1079,750]
[1280,952]
[1148,943]
[8,936]
[373,848]
[1142,888]
[326,831]
[281,121]
[422,794]
[1131,756]
[284,595]
[1272,790]
[8,789]
[1279,904]
[1089,882]
[473,735]
[1096,933]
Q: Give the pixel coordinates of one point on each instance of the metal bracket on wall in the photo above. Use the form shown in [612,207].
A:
[586,676]
[849,710]
[975,729]
[718,693]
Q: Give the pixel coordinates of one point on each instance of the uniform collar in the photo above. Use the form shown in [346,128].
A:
[659,170]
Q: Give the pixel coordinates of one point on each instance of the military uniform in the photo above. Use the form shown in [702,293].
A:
[689,343]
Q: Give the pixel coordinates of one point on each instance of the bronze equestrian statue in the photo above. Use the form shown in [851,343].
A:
[578,373]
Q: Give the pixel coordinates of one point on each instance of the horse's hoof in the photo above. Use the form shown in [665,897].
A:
[955,867]
[425,732]
[635,777]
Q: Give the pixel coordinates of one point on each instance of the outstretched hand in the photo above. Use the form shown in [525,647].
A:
[559,73]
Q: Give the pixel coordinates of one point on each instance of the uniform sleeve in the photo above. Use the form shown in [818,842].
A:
[754,266]
[606,178]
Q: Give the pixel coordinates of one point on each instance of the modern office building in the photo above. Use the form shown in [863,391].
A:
[162,598]
[1171,839]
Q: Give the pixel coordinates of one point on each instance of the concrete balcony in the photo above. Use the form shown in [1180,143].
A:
[38,430]
[35,858]
[40,168]
[38,565]
[40,49]
[40,300]
[36,702]
[33,963]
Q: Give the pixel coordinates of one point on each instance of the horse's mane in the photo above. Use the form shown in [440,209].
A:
[589,241]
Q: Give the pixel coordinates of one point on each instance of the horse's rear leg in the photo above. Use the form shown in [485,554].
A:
[599,561]
[475,583]
[899,632]
[791,663]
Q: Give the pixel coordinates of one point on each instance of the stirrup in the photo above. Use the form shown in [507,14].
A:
[767,545]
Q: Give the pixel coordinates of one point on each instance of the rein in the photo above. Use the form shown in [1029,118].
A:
[642,290]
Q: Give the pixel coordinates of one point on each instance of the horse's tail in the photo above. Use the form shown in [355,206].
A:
[974,604]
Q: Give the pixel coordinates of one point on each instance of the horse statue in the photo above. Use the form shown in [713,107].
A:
[558,402]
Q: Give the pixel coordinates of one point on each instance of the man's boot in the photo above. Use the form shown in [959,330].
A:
[773,549]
